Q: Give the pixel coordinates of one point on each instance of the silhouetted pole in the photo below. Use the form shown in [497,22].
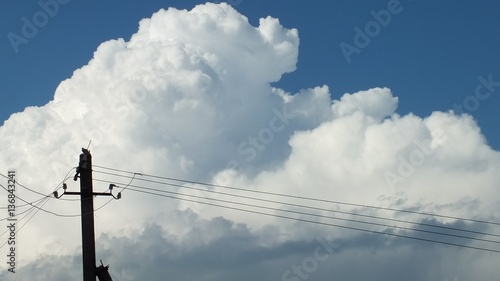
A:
[87,205]
[84,171]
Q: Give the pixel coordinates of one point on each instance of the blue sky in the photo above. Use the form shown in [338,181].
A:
[177,99]
[430,54]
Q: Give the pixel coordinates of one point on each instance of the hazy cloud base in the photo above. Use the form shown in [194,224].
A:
[189,96]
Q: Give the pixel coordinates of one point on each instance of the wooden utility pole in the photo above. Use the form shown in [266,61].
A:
[87,207]
[84,171]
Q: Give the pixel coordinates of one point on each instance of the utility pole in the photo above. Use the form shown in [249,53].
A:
[87,207]
[84,171]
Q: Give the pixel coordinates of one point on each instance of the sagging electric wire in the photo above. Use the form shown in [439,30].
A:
[304,197]
[310,207]
[119,193]
[48,196]
[59,186]
[25,213]
[22,226]
[324,223]
[23,205]
[136,189]
[315,215]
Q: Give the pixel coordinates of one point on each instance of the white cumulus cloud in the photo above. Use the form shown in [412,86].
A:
[190,96]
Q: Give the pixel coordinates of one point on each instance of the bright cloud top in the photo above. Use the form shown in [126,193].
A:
[189,96]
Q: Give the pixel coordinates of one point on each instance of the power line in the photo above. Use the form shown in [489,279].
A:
[23,205]
[34,191]
[324,223]
[32,202]
[22,226]
[315,215]
[26,213]
[257,206]
[41,205]
[304,197]
[48,196]
[109,201]
[311,207]
[137,188]
[35,206]
[59,186]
